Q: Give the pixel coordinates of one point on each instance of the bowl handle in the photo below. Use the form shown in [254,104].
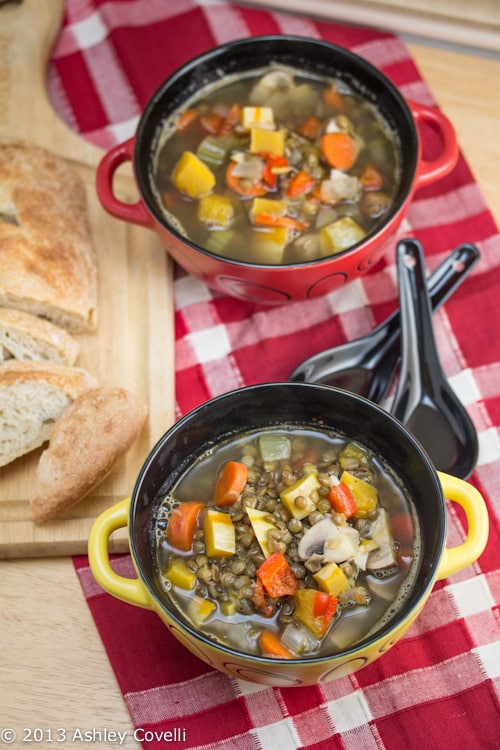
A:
[130,590]
[463,493]
[430,171]
[133,212]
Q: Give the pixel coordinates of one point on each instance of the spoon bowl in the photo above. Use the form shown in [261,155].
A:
[366,366]
[424,400]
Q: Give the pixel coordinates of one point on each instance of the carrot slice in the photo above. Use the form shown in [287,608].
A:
[310,127]
[230,483]
[182,525]
[269,220]
[277,577]
[243,187]
[211,122]
[339,149]
[300,183]
[333,98]
[342,500]
[231,119]
[186,118]
[371,178]
[270,645]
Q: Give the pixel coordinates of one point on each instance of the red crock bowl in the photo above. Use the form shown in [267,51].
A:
[276,284]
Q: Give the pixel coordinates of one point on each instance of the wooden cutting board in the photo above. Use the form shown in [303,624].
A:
[133,346]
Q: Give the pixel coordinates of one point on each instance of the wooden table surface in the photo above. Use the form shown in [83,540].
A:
[55,672]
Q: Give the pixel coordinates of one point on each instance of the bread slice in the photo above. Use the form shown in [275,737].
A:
[48,263]
[33,396]
[26,337]
[90,438]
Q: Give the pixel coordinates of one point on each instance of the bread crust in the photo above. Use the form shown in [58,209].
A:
[48,262]
[73,380]
[39,339]
[93,434]
[33,396]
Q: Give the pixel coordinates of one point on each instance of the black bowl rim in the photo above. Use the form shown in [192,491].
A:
[404,612]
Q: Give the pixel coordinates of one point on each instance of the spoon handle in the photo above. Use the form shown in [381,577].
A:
[443,281]
[420,364]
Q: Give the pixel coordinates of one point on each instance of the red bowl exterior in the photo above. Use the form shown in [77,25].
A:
[275,285]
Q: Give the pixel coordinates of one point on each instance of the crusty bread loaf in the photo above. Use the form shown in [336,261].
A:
[33,395]
[48,263]
[26,337]
[89,439]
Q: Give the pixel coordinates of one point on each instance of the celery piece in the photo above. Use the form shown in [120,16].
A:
[213,150]
[274,447]
[218,240]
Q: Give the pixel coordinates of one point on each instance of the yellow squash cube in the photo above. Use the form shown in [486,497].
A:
[268,245]
[215,211]
[267,142]
[179,575]
[192,176]
[268,206]
[340,235]
[331,579]
[199,610]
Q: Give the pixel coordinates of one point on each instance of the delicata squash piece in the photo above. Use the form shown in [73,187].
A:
[218,529]
[365,494]
[297,498]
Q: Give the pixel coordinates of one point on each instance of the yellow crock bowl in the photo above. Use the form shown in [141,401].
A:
[296,404]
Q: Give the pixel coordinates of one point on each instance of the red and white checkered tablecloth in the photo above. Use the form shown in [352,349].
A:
[437,688]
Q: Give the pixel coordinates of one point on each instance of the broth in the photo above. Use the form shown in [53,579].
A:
[305,572]
[276,167]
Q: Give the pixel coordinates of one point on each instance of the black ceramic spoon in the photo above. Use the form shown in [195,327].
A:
[424,400]
[367,365]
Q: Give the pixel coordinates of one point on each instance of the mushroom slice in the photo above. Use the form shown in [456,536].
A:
[344,547]
[334,543]
[276,80]
[384,556]
[313,541]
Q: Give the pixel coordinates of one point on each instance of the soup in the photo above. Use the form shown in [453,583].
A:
[287,543]
[276,167]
